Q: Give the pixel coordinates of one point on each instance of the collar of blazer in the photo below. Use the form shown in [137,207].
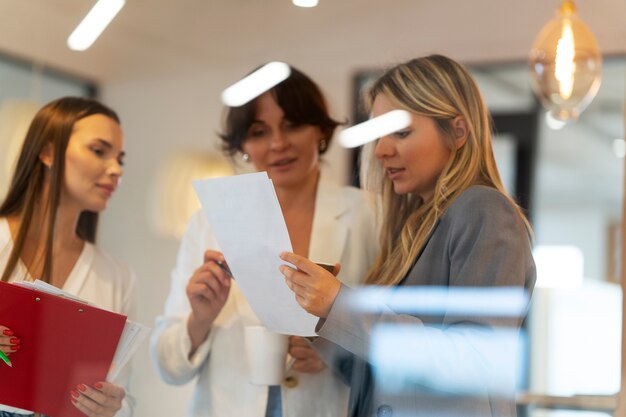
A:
[329,233]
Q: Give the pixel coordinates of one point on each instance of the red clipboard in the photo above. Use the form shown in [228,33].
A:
[63,343]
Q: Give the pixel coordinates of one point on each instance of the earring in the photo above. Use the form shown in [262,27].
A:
[323,145]
[245,157]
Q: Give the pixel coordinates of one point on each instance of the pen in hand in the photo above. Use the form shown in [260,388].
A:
[225,268]
[5,359]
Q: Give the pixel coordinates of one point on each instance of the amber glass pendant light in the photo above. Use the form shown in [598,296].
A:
[565,64]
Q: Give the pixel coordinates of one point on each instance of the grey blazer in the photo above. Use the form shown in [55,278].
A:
[480,241]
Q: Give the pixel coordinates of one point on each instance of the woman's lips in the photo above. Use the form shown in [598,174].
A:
[394,173]
[283,164]
[108,189]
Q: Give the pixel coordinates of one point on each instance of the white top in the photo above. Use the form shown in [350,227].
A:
[344,231]
[96,278]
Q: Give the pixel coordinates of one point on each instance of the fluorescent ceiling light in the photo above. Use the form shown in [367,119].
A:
[94,23]
[255,84]
[305,3]
[375,128]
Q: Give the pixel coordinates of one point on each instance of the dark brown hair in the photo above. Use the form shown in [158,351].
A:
[52,126]
[300,99]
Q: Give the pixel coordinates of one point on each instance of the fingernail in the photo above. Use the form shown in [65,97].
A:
[75,394]
[15,347]
[7,332]
[14,340]
[81,387]
[98,385]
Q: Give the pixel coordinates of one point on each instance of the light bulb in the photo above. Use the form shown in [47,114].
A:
[565,64]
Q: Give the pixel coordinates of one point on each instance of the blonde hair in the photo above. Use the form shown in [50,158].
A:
[438,87]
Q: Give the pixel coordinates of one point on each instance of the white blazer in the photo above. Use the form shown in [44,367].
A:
[344,231]
[96,278]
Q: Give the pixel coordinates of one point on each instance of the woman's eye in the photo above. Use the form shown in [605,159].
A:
[98,151]
[401,134]
[256,133]
[291,126]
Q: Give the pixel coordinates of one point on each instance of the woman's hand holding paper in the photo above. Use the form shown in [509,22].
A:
[315,287]
[207,292]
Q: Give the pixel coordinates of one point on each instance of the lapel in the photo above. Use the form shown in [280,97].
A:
[329,234]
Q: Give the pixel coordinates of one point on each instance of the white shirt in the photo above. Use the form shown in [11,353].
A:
[96,278]
[344,231]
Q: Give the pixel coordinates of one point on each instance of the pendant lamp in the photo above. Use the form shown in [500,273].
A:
[565,64]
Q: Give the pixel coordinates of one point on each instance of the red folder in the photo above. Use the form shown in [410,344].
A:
[63,343]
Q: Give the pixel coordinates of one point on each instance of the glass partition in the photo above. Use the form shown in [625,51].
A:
[574,326]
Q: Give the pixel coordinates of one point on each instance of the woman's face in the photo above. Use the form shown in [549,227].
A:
[288,152]
[93,163]
[414,157]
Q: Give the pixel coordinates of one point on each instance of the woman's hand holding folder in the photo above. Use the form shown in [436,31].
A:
[207,291]
[102,400]
[9,342]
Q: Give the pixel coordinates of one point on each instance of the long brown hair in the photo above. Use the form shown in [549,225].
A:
[438,87]
[52,126]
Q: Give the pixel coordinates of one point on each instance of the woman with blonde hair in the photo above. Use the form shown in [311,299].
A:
[447,222]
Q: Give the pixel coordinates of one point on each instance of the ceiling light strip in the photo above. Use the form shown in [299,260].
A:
[94,23]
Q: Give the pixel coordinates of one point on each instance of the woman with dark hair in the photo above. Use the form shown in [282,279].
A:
[284,132]
[447,222]
[69,166]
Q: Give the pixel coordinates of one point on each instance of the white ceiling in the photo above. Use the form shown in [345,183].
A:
[171,36]
[167,35]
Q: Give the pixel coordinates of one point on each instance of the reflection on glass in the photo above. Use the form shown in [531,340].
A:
[465,347]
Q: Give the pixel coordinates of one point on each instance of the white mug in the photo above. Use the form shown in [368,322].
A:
[266,353]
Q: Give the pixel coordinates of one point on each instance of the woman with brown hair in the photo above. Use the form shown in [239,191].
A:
[284,132]
[447,222]
[69,167]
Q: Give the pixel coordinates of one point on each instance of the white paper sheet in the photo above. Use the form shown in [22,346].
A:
[133,334]
[245,217]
